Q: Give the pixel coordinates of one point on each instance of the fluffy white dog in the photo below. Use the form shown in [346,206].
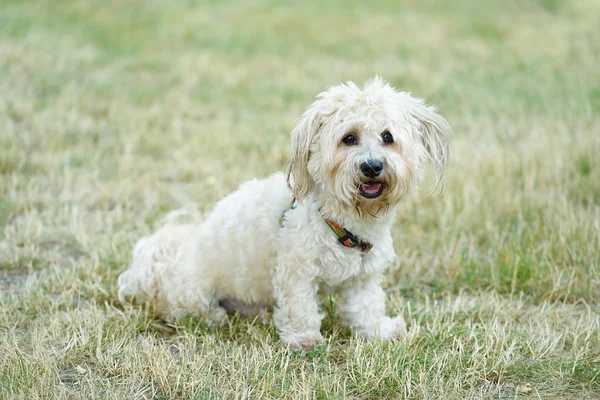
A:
[322,228]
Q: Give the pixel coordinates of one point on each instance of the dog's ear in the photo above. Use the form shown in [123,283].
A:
[435,133]
[303,136]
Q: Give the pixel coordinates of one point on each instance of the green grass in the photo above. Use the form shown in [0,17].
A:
[113,113]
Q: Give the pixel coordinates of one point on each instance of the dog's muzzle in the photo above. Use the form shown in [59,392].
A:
[372,187]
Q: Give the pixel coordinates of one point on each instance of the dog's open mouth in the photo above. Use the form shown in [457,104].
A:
[371,190]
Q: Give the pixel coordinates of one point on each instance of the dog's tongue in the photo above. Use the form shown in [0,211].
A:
[371,188]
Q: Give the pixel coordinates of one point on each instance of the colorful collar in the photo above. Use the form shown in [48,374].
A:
[345,237]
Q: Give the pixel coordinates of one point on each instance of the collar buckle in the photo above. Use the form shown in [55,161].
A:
[348,240]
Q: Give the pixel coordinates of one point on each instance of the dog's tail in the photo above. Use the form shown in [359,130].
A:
[156,260]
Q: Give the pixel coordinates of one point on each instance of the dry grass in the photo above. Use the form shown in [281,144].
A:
[112,113]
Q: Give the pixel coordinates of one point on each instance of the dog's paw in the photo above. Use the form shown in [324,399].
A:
[304,341]
[217,316]
[311,345]
[391,327]
[386,329]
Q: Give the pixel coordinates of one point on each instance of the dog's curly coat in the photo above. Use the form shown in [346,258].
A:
[355,153]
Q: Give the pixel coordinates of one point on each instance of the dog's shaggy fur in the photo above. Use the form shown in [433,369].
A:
[244,252]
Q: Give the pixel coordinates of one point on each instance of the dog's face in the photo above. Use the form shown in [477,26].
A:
[366,148]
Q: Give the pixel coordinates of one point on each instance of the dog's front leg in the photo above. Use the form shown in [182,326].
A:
[297,316]
[362,306]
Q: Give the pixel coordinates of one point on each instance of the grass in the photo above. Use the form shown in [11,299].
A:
[113,113]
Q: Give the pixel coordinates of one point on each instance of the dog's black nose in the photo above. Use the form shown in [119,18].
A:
[371,168]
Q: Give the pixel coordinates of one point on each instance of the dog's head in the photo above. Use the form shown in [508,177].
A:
[366,147]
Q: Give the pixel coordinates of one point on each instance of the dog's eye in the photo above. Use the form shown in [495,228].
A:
[387,137]
[350,140]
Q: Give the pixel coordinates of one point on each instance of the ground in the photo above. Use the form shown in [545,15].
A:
[113,113]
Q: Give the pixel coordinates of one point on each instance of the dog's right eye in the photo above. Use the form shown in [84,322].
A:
[350,140]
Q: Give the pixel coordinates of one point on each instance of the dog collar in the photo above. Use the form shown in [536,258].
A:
[345,237]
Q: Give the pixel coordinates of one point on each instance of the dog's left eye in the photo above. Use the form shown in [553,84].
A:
[387,137]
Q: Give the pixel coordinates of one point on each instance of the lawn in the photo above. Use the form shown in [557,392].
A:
[113,113]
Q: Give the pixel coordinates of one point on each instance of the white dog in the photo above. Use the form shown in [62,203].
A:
[355,153]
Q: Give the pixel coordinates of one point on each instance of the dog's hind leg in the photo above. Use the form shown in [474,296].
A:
[165,273]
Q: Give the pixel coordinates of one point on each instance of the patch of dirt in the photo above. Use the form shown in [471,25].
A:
[11,282]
